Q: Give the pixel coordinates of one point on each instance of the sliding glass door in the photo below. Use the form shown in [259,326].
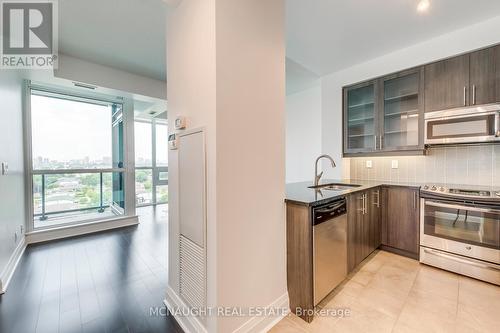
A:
[151,162]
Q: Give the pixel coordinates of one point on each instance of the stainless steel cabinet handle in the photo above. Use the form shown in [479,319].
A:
[465,96]
[363,204]
[380,142]
[366,203]
[375,142]
[497,124]
[377,203]
[362,210]
[414,200]
[473,94]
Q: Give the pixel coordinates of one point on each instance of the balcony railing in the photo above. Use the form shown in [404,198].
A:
[78,188]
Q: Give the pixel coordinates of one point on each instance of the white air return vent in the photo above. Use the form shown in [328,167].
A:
[192,273]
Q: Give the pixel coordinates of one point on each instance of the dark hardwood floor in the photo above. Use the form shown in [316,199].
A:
[106,282]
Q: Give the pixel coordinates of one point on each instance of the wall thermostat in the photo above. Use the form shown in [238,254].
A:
[180,123]
[4,168]
[173,141]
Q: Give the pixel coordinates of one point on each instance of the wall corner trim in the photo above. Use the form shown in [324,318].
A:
[187,323]
[265,323]
[255,324]
[8,272]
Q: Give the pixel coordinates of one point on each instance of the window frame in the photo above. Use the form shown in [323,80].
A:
[30,172]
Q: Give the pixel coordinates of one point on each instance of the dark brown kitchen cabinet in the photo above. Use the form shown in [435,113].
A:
[400,220]
[401,111]
[447,83]
[363,227]
[385,115]
[355,217]
[485,76]
[360,118]
[375,218]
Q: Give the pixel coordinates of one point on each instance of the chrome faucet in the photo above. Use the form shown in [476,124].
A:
[316,176]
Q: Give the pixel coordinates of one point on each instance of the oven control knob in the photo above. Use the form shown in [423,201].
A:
[433,188]
[426,187]
[468,248]
[441,189]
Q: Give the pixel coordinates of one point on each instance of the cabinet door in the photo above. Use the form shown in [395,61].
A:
[360,121]
[354,230]
[402,219]
[485,76]
[447,84]
[401,111]
[374,220]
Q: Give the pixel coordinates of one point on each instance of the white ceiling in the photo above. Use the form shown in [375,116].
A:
[328,35]
[124,34]
[323,36]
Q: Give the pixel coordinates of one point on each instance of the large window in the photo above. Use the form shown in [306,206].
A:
[151,161]
[77,159]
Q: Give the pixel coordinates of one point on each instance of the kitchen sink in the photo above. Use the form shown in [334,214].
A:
[335,187]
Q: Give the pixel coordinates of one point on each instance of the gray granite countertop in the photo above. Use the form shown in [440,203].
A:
[300,193]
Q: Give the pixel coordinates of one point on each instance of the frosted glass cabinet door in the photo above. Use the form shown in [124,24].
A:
[401,116]
[359,118]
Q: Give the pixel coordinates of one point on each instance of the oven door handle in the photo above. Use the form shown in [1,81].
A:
[469,208]
[464,261]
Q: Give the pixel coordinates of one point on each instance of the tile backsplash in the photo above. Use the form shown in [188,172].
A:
[472,165]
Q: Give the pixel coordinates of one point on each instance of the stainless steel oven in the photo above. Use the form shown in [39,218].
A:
[467,125]
[460,231]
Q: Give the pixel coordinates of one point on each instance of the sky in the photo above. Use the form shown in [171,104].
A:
[66,130]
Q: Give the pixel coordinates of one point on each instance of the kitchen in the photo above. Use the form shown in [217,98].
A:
[409,202]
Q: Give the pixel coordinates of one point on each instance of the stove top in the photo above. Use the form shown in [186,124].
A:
[462,191]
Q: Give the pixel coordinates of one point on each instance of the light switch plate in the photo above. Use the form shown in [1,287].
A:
[369,164]
[395,164]
[4,169]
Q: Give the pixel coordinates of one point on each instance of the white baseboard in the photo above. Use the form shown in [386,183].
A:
[265,323]
[254,324]
[10,268]
[81,229]
[187,323]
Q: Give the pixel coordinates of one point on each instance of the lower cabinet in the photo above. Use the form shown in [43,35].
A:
[364,223]
[400,220]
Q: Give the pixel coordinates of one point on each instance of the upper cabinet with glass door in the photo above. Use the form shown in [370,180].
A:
[360,117]
[402,112]
[384,116]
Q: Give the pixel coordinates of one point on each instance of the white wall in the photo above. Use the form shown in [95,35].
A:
[251,255]
[12,207]
[303,133]
[457,42]
[242,108]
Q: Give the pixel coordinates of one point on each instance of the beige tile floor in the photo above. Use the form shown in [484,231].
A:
[390,293]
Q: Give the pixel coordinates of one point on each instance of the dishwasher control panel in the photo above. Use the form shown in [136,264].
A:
[329,211]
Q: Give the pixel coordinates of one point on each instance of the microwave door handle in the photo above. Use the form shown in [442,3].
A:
[464,207]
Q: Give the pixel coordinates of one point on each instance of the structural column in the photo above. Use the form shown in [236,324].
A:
[226,75]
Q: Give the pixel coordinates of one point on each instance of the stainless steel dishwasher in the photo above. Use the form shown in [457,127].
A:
[329,247]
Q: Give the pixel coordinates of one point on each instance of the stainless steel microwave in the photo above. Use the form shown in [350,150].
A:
[467,125]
